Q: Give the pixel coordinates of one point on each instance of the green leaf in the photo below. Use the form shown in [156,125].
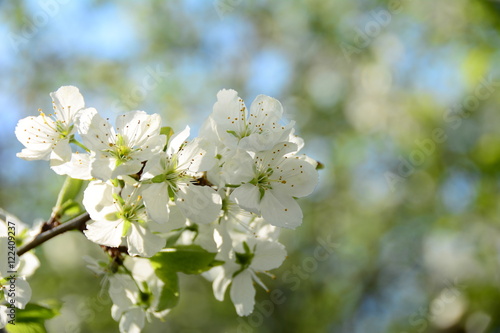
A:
[35,312]
[169,296]
[66,204]
[28,327]
[174,236]
[32,318]
[71,208]
[69,191]
[188,259]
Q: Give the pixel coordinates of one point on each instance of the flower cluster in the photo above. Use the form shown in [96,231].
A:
[227,192]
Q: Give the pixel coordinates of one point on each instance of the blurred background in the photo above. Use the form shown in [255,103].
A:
[398,99]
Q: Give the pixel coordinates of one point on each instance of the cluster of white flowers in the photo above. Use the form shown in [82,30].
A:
[228,191]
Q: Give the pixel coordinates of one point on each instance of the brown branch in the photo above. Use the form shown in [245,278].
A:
[78,223]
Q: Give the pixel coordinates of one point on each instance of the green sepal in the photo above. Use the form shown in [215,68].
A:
[168,132]
[233,133]
[159,178]
[118,198]
[171,193]
[112,216]
[262,192]
[126,227]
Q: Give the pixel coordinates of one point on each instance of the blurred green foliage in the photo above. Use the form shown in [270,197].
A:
[398,99]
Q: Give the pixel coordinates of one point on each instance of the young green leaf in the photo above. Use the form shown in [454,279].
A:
[188,259]
[169,296]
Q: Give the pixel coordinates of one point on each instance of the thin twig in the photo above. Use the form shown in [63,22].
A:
[75,224]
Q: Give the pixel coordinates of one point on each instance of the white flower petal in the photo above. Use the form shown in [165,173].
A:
[176,220]
[266,111]
[117,311]
[78,167]
[38,135]
[28,264]
[281,211]
[221,282]
[3,316]
[123,291]
[156,199]
[274,157]
[138,127]
[243,293]
[67,101]
[32,155]
[238,167]
[61,152]
[101,166]
[197,155]
[268,255]
[128,168]
[23,292]
[98,200]
[96,132]
[154,166]
[229,114]
[200,204]
[299,177]
[247,197]
[132,321]
[141,242]
[107,233]
[177,140]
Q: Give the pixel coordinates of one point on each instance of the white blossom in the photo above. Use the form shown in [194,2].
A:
[119,219]
[241,268]
[120,151]
[258,130]
[132,303]
[279,177]
[48,136]
[171,176]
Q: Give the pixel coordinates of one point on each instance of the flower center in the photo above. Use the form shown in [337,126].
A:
[120,150]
